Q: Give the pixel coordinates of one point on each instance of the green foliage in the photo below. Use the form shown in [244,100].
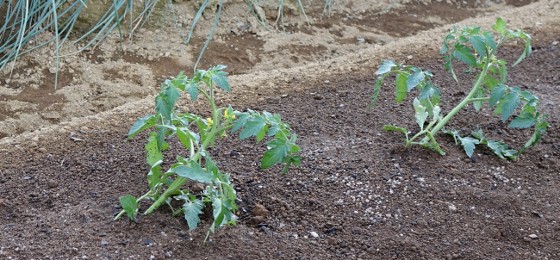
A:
[477,49]
[196,134]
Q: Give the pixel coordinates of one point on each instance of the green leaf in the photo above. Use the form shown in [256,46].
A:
[165,101]
[252,127]
[464,54]
[415,79]
[501,149]
[192,210]
[430,92]
[420,113]
[240,121]
[393,128]
[376,89]
[401,89]
[497,94]
[385,67]
[469,144]
[523,121]
[509,103]
[277,151]
[193,172]
[262,133]
[500,26]
[192,89]
[129,204]
[219,78]
[540,130]
[153,153]
[218,213]
[141,124]
[478,104]
[527,50]
[479,45]
[185,136]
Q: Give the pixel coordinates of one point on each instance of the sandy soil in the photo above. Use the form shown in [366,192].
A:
[109,76]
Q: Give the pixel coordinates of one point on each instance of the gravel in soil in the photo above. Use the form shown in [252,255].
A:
[358,193]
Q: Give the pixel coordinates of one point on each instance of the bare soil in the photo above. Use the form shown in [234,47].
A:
[358,189]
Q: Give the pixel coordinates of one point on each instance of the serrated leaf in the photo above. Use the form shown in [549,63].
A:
[501,149]
[479,45]
[523,121]
[430,92]
[141,124]
[193,172]
[192,89]
[187,136]
[240,121]
[385,67]
[252,127]
[478,104]
[420,113]
[376,89]
[129,205]
[165,101]
[527,50]
[469,144]
[489,40]
[497,94]
[260,136]
[415,79]
[464,54]
[220,79]
[277,151]
[218,213]
[153,153]
[500,26]
[509,103]
[393,128]
[192,210]
[540,130]
[401,89]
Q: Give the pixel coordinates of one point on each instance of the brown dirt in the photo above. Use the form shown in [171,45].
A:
[358,189]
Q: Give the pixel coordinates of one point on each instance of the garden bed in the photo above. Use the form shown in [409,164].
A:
[357,194]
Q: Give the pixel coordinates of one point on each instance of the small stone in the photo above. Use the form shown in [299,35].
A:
[259,211]
[314,234]
[533,236]
[257,220]
[452,208]
[197,187]
[52,184]
[104,242]
[409,57]
[284,96]
[555,43]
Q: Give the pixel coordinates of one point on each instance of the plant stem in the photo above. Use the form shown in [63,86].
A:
[469,98]
[180,181]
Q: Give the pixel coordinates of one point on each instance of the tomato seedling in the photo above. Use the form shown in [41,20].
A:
[196,134]
[476,48]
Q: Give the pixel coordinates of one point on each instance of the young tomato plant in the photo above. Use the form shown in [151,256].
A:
[476,48]
[196,134]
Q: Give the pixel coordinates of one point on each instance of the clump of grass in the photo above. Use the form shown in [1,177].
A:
[23,21]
